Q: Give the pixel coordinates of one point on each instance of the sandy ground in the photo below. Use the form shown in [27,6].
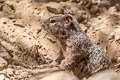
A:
[26,49]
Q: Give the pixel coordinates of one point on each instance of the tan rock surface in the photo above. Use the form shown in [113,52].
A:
[3,63]
[59,75]
[106,75]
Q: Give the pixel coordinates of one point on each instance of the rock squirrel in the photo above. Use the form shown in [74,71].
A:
[82,57]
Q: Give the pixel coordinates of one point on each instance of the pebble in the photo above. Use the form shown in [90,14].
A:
[55,8]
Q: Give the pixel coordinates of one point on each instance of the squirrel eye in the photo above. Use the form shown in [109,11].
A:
[52,21]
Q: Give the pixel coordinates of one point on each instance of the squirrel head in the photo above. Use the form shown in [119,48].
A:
[61,26]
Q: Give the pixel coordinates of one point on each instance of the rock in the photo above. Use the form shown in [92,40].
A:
[60,75]
[64,0]
[83,27]
[114,44]
[22,74]
[3,77]
[10,72]
[118,60]
[3,64]
[82,15]
[2,1]
[3,53]
[55,8]
[106,75]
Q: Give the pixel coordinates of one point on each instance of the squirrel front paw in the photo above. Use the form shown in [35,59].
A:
[61,66]
[53,64]
[65,65]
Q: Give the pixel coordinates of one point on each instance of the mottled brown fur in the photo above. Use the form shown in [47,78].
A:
[82,57]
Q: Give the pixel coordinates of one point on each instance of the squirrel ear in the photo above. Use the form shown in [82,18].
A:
[68,19]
